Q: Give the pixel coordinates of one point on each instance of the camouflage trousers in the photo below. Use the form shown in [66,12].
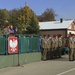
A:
[49,54]
[72,54]
[44,53]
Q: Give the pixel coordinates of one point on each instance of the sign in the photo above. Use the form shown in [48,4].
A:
[12,44]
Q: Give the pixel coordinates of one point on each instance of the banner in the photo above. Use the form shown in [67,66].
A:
[12,44]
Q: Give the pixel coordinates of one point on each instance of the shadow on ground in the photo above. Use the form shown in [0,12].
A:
[63,58]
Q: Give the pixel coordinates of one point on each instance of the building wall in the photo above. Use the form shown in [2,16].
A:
[72,26]
[51,32]
[70,31]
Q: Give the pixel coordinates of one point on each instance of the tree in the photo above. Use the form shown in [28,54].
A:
[24,19]
[33,27]
[28,21]
[4,17]
[47,15]
[14,17]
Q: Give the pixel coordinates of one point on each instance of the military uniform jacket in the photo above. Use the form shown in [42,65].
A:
[44,43]
[72,42]
[56,42]
[49,43]
[63,42]
[60,41]
[53,42]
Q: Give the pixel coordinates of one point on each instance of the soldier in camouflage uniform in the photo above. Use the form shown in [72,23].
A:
[49,47]
[63,41]
[44,46]
[56,46]
[63,45]
[72,47]
[53,46]
[59,45]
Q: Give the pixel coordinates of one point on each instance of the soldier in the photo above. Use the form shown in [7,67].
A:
[53,46]
[56,46]
[63,45]
[59,45]
[63,41]
[49,47]
[72,47]
[44,46]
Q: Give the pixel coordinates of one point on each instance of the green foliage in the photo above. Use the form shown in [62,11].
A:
[14,17]
[47,15]
[28,21]
[25,19]
[4,16]
[33,27]
[22,19]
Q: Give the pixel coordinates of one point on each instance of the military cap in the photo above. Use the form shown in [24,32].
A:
[55,35]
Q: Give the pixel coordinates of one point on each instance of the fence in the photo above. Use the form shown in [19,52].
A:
[26,43]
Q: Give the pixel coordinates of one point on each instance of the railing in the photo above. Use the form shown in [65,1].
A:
[26,43]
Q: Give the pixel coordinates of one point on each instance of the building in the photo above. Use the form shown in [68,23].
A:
[57,27]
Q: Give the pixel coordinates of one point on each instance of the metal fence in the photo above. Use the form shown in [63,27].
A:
[26,43]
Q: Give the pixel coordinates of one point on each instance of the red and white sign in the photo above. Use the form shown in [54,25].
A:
[12,44]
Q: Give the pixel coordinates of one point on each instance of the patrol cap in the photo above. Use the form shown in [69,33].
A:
[55,35]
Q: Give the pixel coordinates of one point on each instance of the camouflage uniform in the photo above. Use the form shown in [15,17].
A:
[56,47]
[63,41]
[48,47]
[72,48]
[53,47]
[44,46]
[60,46]
[63,45]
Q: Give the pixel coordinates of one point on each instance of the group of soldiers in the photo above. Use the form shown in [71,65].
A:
[52,46]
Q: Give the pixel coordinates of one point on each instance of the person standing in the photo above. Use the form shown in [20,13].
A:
[40,42]
[49,47]
[72,47]
[44,46]
[40,46]
[56,46]
[53,47]
[60,42]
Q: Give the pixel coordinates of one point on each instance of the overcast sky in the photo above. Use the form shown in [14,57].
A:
[63,8]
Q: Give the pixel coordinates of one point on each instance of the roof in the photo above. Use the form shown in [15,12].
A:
[55,25]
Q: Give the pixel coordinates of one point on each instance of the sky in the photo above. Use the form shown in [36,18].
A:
[63,8]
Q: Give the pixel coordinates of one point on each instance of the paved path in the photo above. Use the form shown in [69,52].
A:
[60,66]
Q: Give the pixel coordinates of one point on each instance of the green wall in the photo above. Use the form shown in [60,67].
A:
[19,59]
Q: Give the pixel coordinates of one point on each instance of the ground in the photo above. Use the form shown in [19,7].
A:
[60,66]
